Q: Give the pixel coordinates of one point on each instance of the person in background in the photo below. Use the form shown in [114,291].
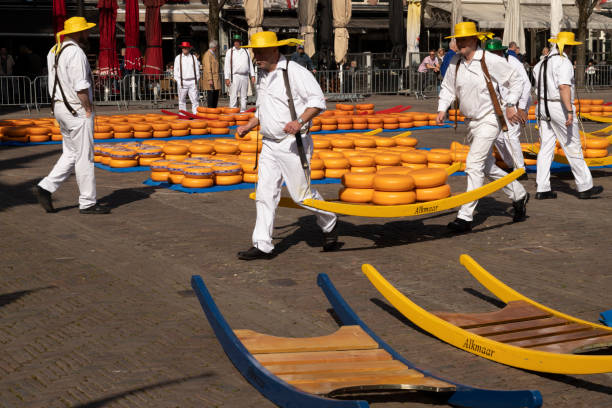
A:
[452,45]
[429,66]
[513,50]
[545,52]
[210,71]
[440,55]
[187,75]
[237,70]
[6,62]
[302,58]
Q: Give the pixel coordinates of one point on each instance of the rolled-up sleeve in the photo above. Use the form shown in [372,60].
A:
[566,72]
[79,72]
[307,86]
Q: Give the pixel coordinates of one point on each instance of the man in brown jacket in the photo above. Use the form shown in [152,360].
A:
[210,71]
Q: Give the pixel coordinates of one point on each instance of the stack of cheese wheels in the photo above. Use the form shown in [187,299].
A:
[328,123]
[175,151]
[142,130]
[406,141]
[56,133]
[121,129]
[340,143]
[159,170]
[430,184]
[362,163]
[37,134]
[316,125]
[336,164]
[176,169]
[161,129]
[383,160]
[198,127]
[358,187]
[595,147]
[359,122]
[375,122]
[103,131]
[105,151]
[439,158]
[218,127]
[197,177]
[249,172]
[317,168]
[228,110]
[227,173]
[98,152]
[364,108]
[17,133]
[393,189]
[241,118]
[148,154]
[201,148]
[455,115]
[415,159]
[122,157]
[390,122]
[459,153]
[531,114]
[421,119]
[179,128]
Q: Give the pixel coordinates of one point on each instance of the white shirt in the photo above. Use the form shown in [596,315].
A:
[188,64]
[560,71]
[272,105]
[470,86]
[240,61]
[525,99]
[74,73]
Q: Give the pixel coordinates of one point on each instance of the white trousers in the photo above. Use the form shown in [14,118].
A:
[569,139]
[77,154]
[278,162]
[239,86]
[480,163]
[509,146]
[189,88]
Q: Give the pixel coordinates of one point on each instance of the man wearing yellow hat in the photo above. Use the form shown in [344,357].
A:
[474,77]
[557,120]
[70,87]
[288,97]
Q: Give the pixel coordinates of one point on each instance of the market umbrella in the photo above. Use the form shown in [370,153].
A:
[154,64]
[556,16]
[396,28]
[59,15]
[513,26]
[254,12]
[108,64]
[456,14]
[307,10]
[413,28]
[324,13]
[133,59]
[342,10]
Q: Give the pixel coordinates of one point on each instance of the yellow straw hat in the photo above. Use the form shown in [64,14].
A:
[564,38]
[266,39]
[73,25]
[468,29]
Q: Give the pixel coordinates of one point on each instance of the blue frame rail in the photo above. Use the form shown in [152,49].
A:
[464,396]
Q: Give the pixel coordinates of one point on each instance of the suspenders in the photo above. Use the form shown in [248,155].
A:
[543,77]
[57,83]
[181,67]
[298,135]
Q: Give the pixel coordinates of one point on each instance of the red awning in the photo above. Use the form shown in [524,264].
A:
[59,15]
[133,59]
[108,63]
[153,62]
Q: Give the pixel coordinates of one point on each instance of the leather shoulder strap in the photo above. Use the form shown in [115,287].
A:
[57,83]
[298,135]
[496,106]
[232,64]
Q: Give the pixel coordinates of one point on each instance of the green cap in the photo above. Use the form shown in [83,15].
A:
[495,45]
[237,37]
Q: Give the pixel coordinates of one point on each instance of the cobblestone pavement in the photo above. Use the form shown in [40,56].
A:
[97,310]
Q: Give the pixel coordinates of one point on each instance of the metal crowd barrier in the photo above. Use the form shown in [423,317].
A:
[15,91]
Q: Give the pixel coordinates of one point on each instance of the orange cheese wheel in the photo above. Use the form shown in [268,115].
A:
[459,156]
[122,128]
[364,106]
[317,174]
[438,165]
[38,130]
[160,176]
[145,161]
[249,147]
[329,127]
[595,143]
[316,164]
[175,149]
[329,154]
[101,128]
[360,126]
[57,131]
[335,173]
[39,138]
[375,119]
[103,135]
[336,163]
[393,197]
[228,180]
[160,126]
[328,121]
[180,132]
[427,178]
[176,157]
[342,142]
[391,126]
[393,182]
[368,169]
[122,163]
[394,170]
[358,120]
[190,182]
[595,153]
[406,141]
[433,193]
[356,195]
[344,120]
[198,131]
[250,177]
[143,135]
[406,125]
[361,161]
[385,142]
[421,117]
[440,150]
[388,159]
[56,137]
[161,133]
[420,123]
[123,135]
[200,148]
[321,143]
[358,180]
[218,131]
[225,148]
[364,142]
[432,123]
[435,157]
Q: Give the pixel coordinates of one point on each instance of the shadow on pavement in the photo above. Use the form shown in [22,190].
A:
[486,298]
[126,196]
[8,298]
[104,401]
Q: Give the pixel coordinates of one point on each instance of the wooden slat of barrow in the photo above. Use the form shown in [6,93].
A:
[346,376]
[515,311]
[541,341]
[324,388]
[578,346]
[345,338]
[322,357]
[539,333]
[353,366]
[518,326]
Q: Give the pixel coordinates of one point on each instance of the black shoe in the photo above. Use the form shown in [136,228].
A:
[330,240]
[44,198]
[584,195]
[524,176]
[545,195]
[95,209]
[460,225]
[253,253]
[520,208]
